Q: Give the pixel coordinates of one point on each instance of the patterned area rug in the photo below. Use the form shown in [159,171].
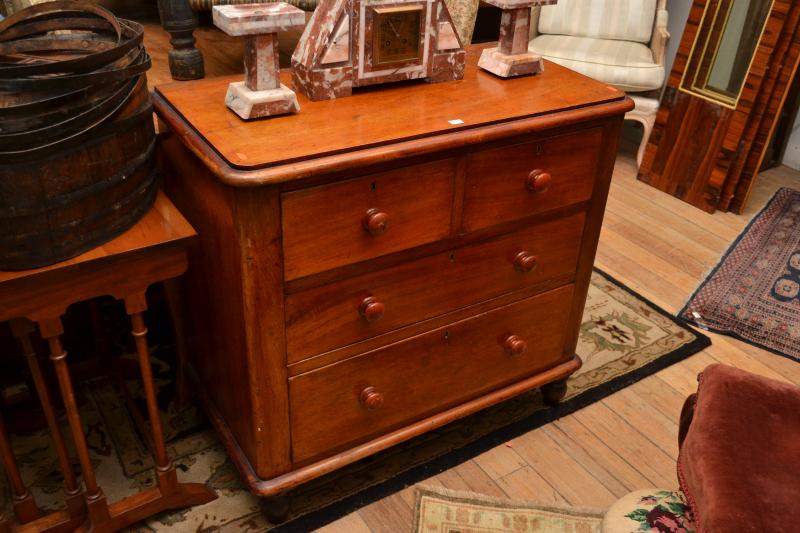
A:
[444,511]
[753,294]
[623,339]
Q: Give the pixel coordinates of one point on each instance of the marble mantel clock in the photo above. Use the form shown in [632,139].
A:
[354,43]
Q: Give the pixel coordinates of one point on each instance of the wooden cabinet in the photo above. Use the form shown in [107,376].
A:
[378,266]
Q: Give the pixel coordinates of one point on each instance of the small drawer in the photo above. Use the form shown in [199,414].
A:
[347,222]
[340,405]
[354,309]
[517,181]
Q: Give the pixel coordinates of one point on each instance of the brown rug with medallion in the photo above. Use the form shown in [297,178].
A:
[753,294]
[623,339]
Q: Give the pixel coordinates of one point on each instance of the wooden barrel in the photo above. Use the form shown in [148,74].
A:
[76,164]
[58,206]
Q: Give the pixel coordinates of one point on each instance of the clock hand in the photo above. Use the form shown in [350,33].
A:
[397,33]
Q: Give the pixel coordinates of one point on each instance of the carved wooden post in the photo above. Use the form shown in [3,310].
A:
[261,94]
[185,61]
[511,57]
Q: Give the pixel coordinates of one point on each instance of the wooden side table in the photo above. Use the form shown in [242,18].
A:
[152,251]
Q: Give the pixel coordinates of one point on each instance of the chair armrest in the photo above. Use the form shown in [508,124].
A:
[534,22]
[658,45]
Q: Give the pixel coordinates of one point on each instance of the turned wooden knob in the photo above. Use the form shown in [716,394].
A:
[539,181]
[514,345]
[525,262]
[376,222]
[370,398]
[371,309]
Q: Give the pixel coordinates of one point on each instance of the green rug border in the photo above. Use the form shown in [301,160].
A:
[321,517]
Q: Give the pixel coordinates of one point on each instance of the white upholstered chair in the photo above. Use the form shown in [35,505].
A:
[619,42]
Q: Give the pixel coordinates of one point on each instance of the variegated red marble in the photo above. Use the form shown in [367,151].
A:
[337,51]
[511,57]
[261,94]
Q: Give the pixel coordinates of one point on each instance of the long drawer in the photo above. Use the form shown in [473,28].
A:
[351,401]
[347,222]
[350,310]
[517,181]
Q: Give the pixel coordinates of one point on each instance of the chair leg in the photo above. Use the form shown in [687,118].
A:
[647,120]
[185,61]
[647,124]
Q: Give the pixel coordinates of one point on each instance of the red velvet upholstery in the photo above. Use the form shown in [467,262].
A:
[739,463]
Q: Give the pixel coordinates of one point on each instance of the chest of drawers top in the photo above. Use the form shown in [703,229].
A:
[377,125]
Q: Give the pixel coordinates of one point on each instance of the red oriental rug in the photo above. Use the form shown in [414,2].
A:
[753,294]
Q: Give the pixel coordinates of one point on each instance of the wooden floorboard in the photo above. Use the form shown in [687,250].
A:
[658,246]
[661,248]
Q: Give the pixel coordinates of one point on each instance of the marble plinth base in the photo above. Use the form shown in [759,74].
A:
[507,66]
[256,104]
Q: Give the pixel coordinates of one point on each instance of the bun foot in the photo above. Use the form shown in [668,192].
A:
[276,508]
[554,392]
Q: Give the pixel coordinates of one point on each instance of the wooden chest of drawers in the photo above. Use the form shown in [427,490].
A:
[380,265]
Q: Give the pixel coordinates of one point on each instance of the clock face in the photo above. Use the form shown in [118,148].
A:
[396,34]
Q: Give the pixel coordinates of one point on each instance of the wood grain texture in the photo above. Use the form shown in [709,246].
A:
[327,317]
[706,170]
[642,418]
[766,117]
[324,227]
[499,193]
[215,314]
[425,374]
[377,117]
[296,257]
[153,250]
[155,244]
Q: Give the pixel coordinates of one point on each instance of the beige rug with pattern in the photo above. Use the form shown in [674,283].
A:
[440,510]
[623,338]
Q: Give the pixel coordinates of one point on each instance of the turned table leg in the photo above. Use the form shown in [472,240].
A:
[185,494]
[96,505]
[22,329]
[185,61]
[24,505]
[170,494]
[167,478]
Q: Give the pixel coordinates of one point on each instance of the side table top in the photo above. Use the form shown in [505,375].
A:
[378,118]
[163,225]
